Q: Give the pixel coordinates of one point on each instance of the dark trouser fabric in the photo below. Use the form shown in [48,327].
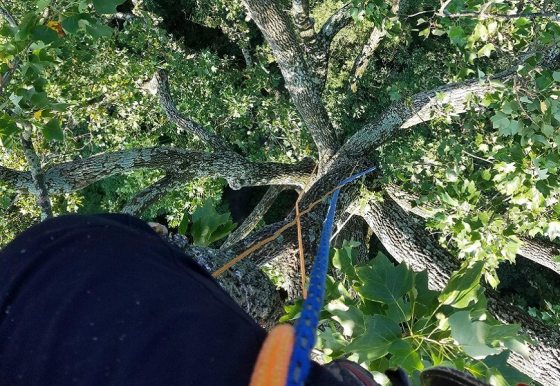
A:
[102,300]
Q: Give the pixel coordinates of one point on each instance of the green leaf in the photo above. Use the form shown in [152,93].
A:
[405,356]
[480,33]
[463,286]
[380,334]
[343,259]
[52,130]
[509,374]
[208,225]
[184,224]
[72,24]
[486,50]
[98,30]
[8,128]
[42,4]
[547,130]
[500,120]
[471,336]
[350,318]
[544,81]
[383,282]
[44,34]
[457,36]
[107,6]
[400,311]
[425,299]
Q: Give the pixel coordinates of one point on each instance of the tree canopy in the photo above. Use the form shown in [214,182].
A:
[448,254]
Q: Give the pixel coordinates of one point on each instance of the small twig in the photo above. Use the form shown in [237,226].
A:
[477,157]
[501,16]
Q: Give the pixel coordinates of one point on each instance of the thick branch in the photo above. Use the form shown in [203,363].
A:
[405,114]
[406,240]
[74,175]
[335,23]
[538,251]
[245,283]
[253,219]
[278,30]
[17,179]
[185,124]
[39,188]
[423,107]
[362,60]
[332,26]
[139,203]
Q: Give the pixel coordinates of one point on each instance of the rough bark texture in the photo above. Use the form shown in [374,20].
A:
[278,30]
[245,283]
[362,60]
[71,176]
[538,251]
[252,220]
[183,123]
[153,193]
[406,240]
[39,190]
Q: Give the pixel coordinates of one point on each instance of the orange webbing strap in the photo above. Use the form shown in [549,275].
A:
[272,364]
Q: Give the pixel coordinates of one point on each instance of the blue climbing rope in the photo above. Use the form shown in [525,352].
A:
[306,326]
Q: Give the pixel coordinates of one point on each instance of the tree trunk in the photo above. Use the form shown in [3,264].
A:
[245,282]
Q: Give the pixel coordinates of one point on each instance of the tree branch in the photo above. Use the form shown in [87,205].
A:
[39,188]
[540,252]
[405,114]
[74,175]
[161,83]
[330,28]
[423,107]
[139,203]
[253,219]
[406,240]
[245,282]
[335,23]
[278,30]
[8,17]
[15,63]
[311,44]
[362,60]
[483,16]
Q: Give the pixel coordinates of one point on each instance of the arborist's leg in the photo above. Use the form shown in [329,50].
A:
[103,300]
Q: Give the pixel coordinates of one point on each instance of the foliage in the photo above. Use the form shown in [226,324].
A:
[385,316]
[208,225]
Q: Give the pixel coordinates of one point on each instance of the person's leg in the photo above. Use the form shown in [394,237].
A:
[103,300]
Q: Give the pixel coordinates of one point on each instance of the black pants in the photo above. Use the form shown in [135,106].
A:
[102,300]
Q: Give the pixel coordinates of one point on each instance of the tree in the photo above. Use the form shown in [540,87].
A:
[476,155]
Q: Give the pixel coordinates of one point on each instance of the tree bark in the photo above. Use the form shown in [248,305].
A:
[245,283]
[278,30]
[256,215]
[39,188]
[407,241]
[541,252]
[74,175]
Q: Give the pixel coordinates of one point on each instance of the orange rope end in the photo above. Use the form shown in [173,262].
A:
[272,364]
[300,249]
